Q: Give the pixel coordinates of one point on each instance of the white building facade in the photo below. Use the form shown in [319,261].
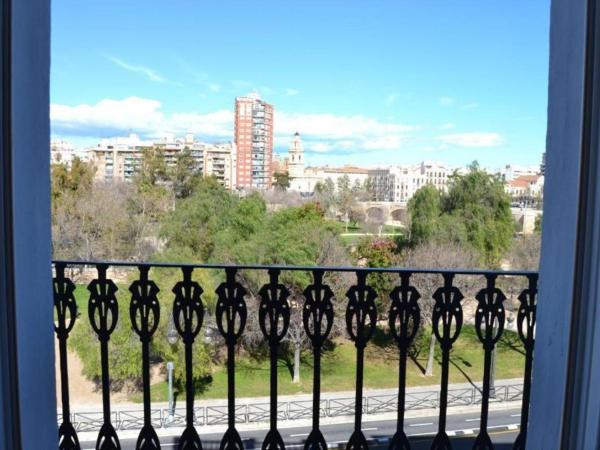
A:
[120,159]
[399,183]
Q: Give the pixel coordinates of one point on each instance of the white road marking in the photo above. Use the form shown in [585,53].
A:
[515,415]
[299,434]
[420,424]
[369,429]
[473,420]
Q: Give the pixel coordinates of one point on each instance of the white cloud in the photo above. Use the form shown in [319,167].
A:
[332,126]
[291,92]
[321,132]
[214,87]
[471,140]
[149,73]
[144,116]
[447,126]
[470,105]
[447,101]
[319,147]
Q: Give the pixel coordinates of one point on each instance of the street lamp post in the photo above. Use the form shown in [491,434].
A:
[172,336]
[493,372]
[170,367]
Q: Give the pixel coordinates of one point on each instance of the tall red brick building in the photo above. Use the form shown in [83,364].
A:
[254,141]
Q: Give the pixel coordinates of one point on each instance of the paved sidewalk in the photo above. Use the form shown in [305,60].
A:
[127,406]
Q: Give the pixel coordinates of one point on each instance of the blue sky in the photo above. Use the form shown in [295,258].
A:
[364,82]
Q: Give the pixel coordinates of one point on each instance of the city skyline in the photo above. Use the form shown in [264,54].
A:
[454,94]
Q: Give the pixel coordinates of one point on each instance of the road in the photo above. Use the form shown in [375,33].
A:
[463,428]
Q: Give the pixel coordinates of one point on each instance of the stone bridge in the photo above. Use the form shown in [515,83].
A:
[388,213]
[396,214]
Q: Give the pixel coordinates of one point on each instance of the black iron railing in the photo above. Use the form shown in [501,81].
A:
[404,317]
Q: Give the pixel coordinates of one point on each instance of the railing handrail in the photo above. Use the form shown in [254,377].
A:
[221,266]
[404,318]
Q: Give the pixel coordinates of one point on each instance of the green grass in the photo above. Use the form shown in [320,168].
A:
[338,369]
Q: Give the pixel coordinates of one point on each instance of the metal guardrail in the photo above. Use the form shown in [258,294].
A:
[293,410]
[272,308]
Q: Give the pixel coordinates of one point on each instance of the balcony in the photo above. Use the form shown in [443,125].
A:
[316,309]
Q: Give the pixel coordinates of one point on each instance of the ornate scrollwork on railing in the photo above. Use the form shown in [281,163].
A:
[231,312]
[526,313]
[144,312]
[317,318]
[274,316]
[64,303]
[188,310]
[103,312]
[103,309]
[231,315]
[489,324]
[274,320]
[188,315]
[66,314]
[361,318]
[274,309]
[404,319]
[361,312]
[317,314]
[447,319]
[144,309]
[526,329]
[490,315]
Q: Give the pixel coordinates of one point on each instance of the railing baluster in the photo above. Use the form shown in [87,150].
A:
[526,329]
[103,312]
[361,317]
[274,320]
[404,319]
[317,317]
[447,315]
[66,314]
[231,314]
[489,324]
[188,315]
[144,312]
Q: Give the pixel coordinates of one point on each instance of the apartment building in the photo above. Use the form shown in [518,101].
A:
[63,152]
[120,159]
[254,142]
[399,183]
[525,187]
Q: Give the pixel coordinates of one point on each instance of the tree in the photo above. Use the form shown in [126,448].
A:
[153,169]
[282,180]
[345,198]
[379,252]
[537,227]
[479,202]
[424,209]
[184,175]
[475,212]
[196,220]
[325,194]
[290,236]
[76,179]
[525,252]
[437,255]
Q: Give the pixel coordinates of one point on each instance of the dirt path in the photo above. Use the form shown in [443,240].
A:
[84,392]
